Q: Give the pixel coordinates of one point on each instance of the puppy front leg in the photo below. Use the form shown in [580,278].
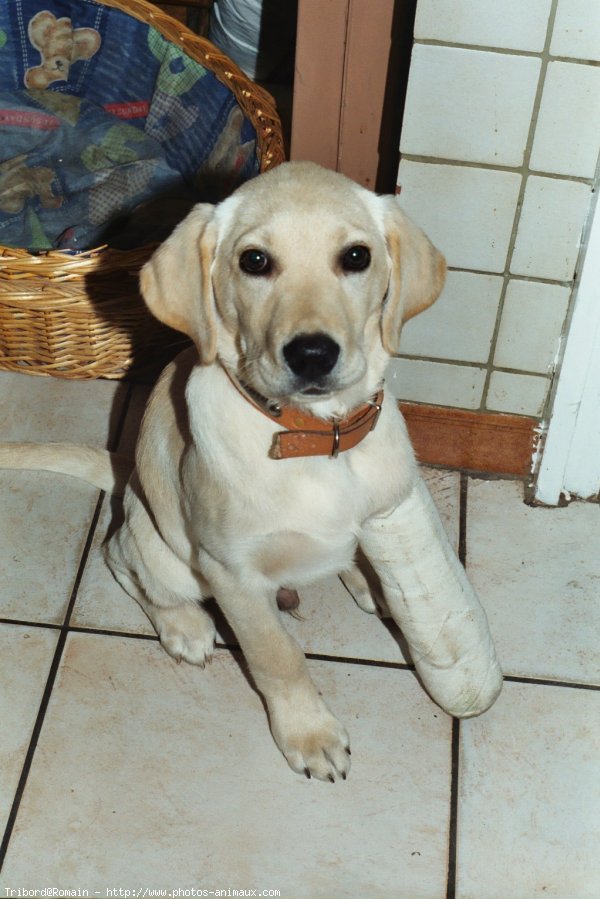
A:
[434,604]
[310,737]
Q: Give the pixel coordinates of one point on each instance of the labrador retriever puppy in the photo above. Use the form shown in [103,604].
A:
[269,454]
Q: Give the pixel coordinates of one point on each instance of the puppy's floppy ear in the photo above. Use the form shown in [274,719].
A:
[417,277]
[176,281]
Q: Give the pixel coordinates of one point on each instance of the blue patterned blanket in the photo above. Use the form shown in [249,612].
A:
[108,132]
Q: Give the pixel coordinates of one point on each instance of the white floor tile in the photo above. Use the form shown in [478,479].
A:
[36,408]
[537,571]
[529,797]
[149,774]
[101,603]
[45,517]
[43,528]
[25,657]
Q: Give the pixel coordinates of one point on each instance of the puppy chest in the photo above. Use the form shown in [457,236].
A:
[292,558]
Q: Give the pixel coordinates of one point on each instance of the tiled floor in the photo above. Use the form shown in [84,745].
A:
[121,770]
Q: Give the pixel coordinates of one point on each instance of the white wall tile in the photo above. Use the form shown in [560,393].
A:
[511,24]
[532,321]
[567,136]
[577,29]
[460,325]
[436,382]
[467,212]
[519,394]
[469,104]
[553,215]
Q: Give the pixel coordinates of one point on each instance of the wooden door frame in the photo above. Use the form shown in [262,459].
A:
[351,67]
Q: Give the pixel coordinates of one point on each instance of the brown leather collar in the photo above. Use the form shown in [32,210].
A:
[307,435]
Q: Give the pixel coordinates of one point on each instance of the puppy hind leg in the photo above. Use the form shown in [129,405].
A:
[186,630]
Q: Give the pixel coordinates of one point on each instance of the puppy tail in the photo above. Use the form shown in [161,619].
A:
[108,471]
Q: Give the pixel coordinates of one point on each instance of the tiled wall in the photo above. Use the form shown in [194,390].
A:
[499,150]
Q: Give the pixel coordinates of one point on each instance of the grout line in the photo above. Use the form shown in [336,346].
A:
[342,660]
[24,623]
[52,674]
[490,274]
[315,656]
[319,657]
[453,823]
[506,51]
[465,363]
[548,682]
[526,174]
[106,632]
[462,519]
[58,652]
[521,169]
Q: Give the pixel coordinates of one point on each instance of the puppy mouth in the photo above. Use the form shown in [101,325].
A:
[315,391]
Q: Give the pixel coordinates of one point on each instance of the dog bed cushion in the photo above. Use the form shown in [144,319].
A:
[108,132]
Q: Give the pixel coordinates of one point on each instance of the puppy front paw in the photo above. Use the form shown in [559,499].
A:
[312,739]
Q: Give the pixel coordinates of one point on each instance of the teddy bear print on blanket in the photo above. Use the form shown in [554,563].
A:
[60,45]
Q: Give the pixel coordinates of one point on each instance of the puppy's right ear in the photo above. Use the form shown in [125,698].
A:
[176,281]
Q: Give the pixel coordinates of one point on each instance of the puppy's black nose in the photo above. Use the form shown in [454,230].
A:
[311,356]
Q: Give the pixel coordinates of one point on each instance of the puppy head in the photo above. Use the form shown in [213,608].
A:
[299,282]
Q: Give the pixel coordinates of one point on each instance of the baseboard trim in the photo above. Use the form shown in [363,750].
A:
[473,441]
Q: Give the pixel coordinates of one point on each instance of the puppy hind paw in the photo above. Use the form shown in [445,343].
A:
[187,633]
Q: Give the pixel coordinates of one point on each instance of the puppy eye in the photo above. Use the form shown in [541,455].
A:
[255,262]
[356,259]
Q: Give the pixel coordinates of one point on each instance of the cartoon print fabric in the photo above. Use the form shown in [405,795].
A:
[108,132]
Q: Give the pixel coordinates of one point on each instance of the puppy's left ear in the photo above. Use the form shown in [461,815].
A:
[417,277]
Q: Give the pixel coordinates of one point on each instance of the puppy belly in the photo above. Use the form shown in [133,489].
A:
[294,559]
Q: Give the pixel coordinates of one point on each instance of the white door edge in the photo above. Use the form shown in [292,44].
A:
[570,462]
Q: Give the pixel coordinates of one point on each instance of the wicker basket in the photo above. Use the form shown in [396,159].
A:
[80,315]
